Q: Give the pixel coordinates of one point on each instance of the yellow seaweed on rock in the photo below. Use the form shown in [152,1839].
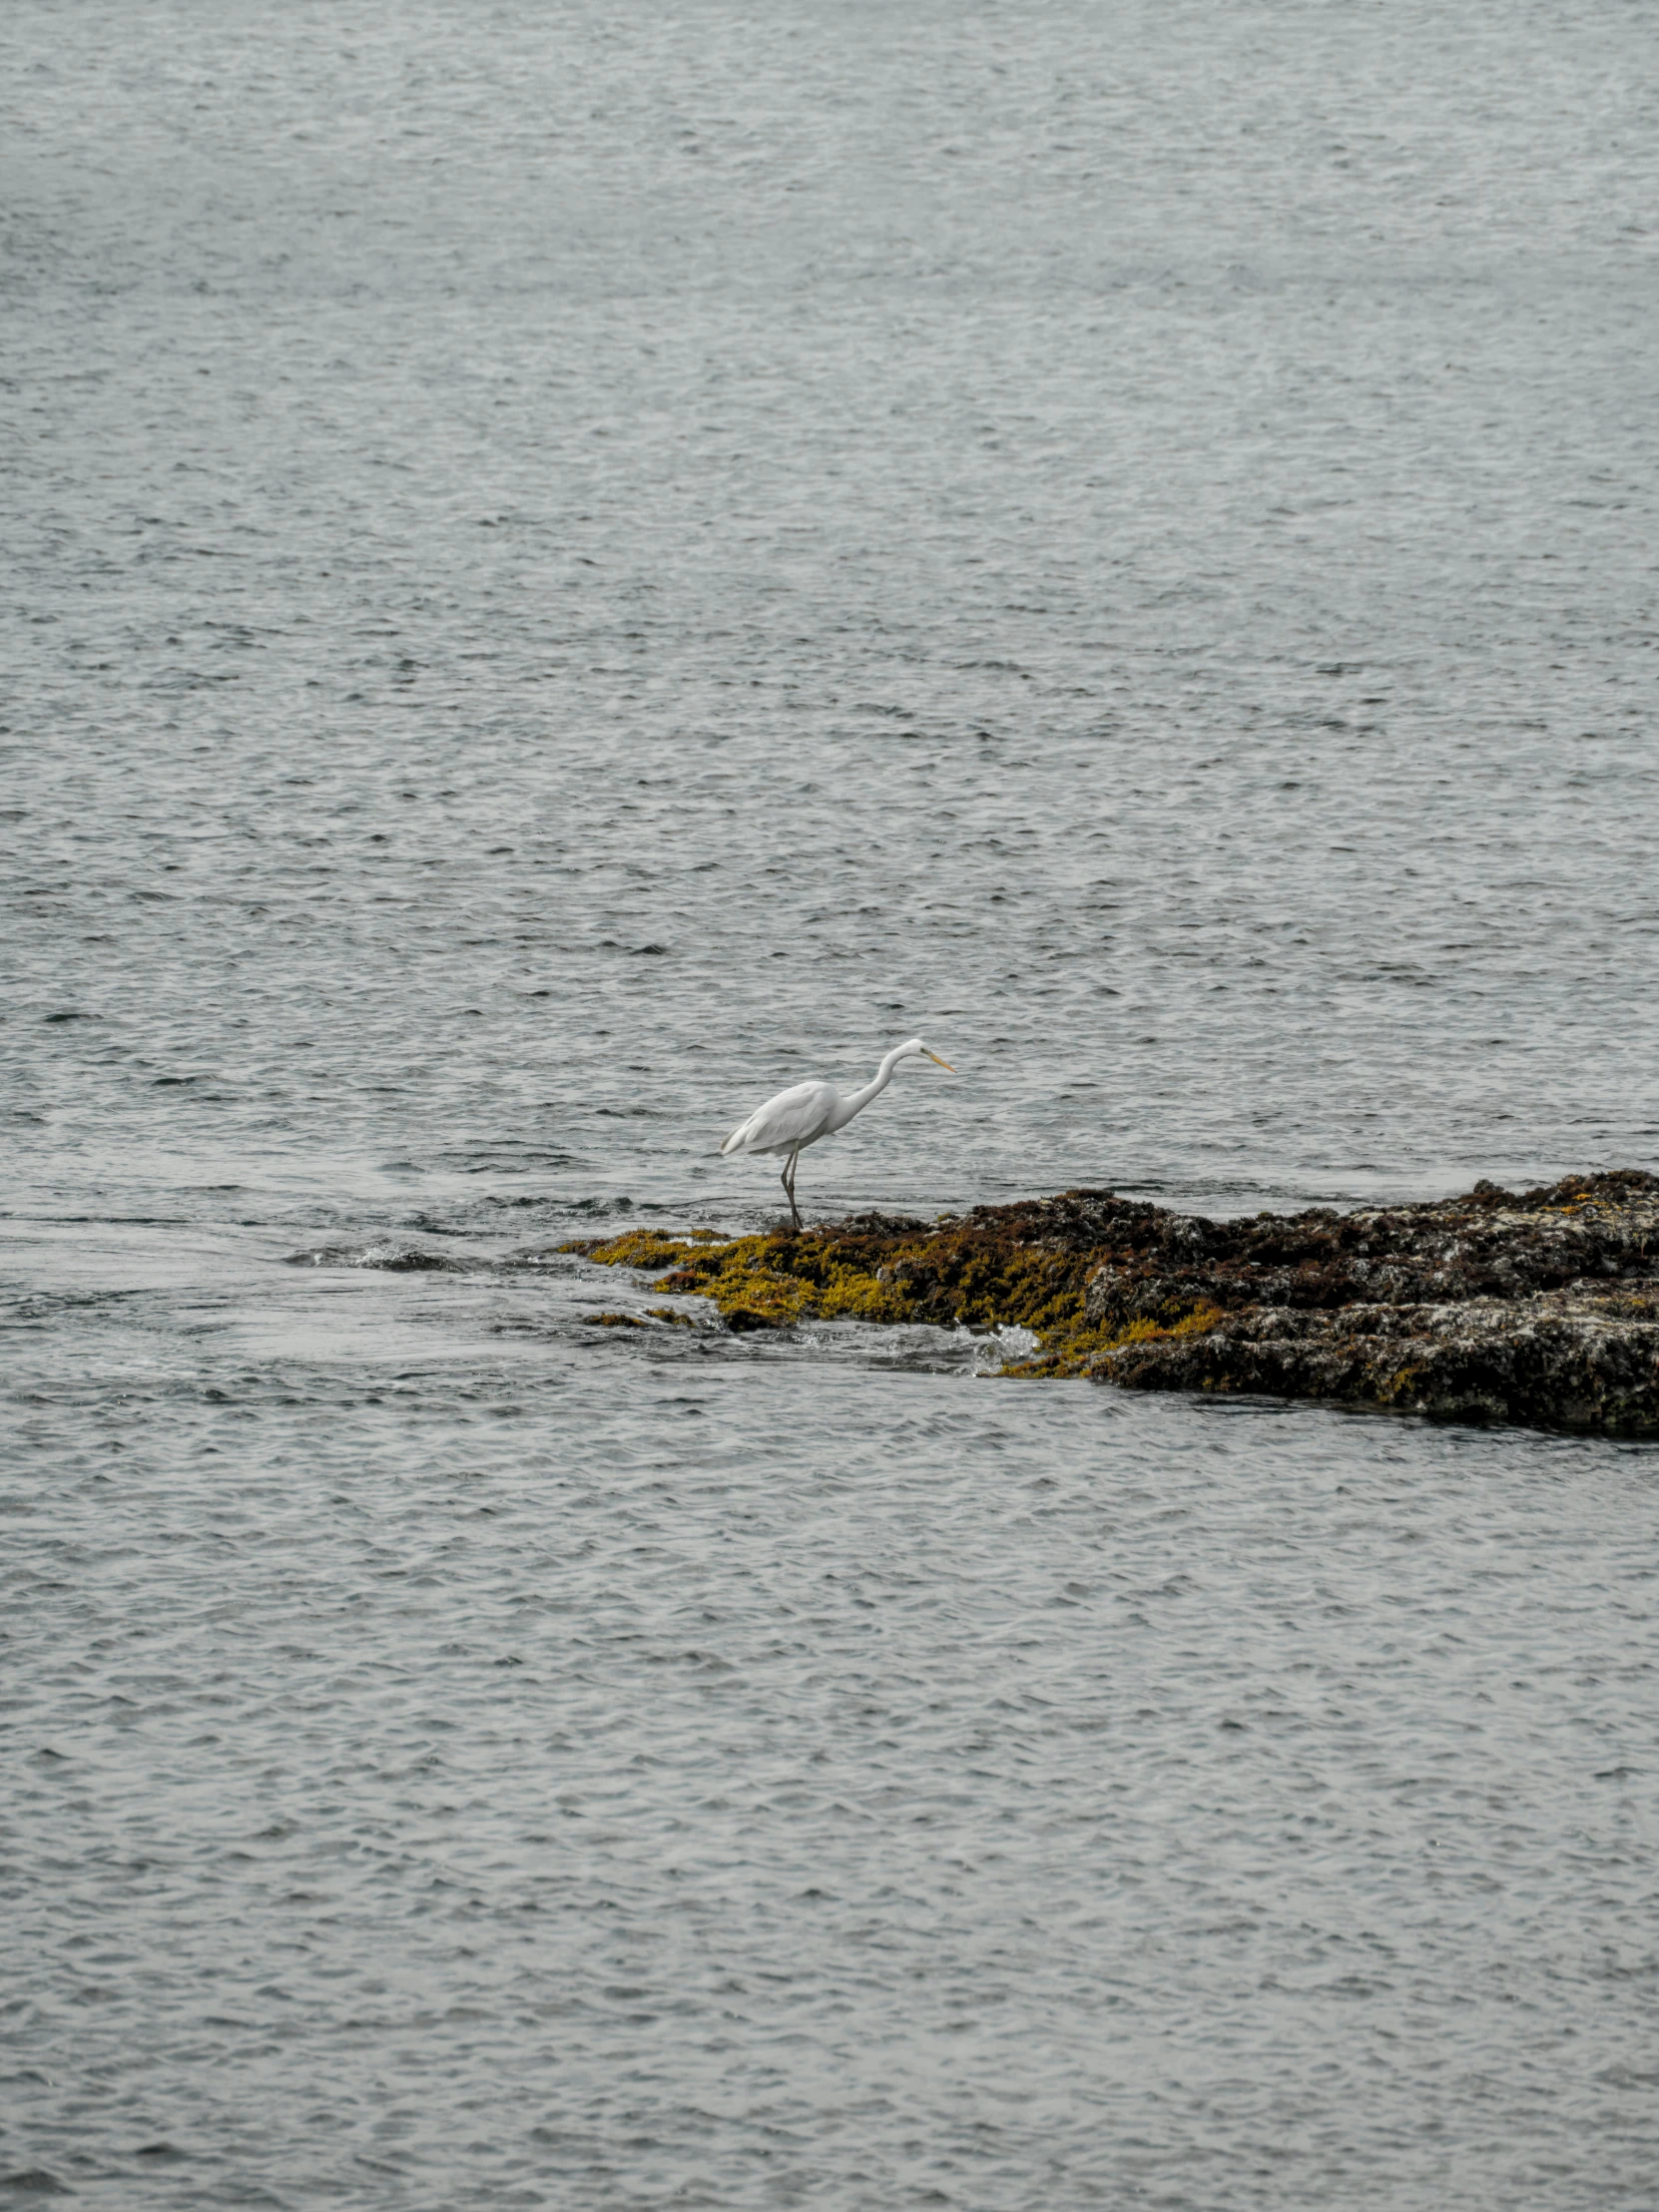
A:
[635,1248]
[955,1273]
[1076,1351]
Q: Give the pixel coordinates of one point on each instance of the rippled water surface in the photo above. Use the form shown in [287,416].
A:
[568,567]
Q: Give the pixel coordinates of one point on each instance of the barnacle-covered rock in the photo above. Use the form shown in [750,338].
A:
[1559,1359]
[1539,1306]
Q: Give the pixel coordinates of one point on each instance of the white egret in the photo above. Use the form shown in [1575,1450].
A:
[797,1117]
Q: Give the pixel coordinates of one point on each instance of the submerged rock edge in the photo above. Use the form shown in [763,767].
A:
[1538,1307]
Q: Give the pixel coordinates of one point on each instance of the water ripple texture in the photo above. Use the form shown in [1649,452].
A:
[568,568]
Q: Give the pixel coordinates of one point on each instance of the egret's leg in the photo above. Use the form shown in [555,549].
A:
[788,1180]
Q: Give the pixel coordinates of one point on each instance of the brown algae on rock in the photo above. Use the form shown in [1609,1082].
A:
[1539,1306]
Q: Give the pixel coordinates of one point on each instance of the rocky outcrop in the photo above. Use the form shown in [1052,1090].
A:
[1539,1306]
[1490,1244]
[1556,1361]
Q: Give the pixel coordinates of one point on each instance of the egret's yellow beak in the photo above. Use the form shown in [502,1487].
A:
[938,1062]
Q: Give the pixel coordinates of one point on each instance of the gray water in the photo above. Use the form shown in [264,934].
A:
[568,567]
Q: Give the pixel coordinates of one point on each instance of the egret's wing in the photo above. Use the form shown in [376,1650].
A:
[794,1117]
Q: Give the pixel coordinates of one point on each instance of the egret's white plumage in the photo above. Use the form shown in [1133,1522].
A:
[800,1115]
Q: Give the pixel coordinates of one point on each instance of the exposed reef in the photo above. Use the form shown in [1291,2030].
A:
[1539,1306]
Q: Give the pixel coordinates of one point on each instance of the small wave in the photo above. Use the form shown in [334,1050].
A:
[387,1257]
[993,1353]
[503,1160]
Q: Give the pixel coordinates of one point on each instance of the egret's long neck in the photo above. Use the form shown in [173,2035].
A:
[857,1100]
